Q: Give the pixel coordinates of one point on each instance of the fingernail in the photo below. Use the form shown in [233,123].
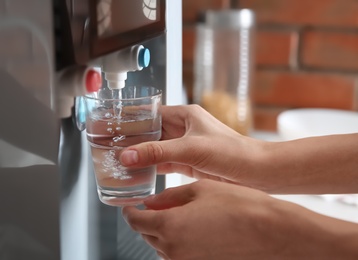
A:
[148,200]
[150,197]
[129,157]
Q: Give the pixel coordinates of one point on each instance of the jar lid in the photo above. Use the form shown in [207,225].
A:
[230,18]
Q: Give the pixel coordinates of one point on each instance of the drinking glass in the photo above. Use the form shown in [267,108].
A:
[116,119]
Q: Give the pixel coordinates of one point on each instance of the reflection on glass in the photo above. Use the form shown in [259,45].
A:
[103,16]
[150,9]
[115,16]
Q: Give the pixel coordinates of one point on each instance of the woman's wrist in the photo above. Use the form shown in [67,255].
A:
[254,164]
[316,165]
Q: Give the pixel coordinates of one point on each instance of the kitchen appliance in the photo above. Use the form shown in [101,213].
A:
[51,52]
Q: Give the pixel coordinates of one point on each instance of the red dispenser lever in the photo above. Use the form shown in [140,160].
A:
[74,82]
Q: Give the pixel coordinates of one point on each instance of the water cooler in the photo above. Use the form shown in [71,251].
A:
[51,52]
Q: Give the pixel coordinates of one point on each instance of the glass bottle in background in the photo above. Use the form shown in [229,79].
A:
[223,66]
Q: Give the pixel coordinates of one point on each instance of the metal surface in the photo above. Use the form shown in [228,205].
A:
[29,135]
[29,177]
[48,200]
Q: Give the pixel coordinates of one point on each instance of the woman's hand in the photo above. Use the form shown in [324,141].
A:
[196,144]
[210,220]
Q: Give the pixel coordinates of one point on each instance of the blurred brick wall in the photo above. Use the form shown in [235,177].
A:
[306,53]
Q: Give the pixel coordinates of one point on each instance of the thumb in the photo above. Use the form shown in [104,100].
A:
[150,153]
[171,197]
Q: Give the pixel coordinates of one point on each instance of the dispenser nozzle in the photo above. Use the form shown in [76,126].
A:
[117,65]
[115,80]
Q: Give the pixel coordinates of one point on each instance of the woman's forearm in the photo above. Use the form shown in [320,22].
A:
[341,237]
[316,165]
[315,236]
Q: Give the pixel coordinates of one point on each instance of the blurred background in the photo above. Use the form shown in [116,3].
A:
[306,54]
[304,75]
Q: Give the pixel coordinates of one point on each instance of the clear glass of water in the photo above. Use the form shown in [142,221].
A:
[116,119]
